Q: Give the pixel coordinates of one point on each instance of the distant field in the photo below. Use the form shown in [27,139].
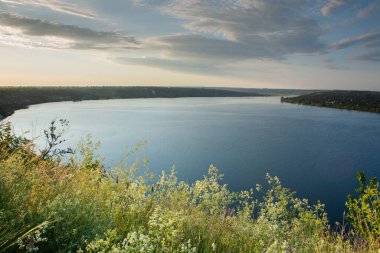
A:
[12,99]
[367,101]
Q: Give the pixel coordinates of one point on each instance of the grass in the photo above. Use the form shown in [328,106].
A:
[47,205]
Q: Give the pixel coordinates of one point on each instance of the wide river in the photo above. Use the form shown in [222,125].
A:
[315,151]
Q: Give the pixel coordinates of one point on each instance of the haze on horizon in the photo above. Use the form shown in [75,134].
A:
[321,44]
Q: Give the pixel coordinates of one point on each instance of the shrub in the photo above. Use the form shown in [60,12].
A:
[121,210]
[364,211]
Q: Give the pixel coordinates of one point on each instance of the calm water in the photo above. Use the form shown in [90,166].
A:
[314,151]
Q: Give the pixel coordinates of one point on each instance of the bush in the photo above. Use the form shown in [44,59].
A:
[92,210]
[364,211]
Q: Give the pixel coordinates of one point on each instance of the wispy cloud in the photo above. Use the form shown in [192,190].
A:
[55,5]
[373,56]
[375,5]
[331,6]
[331,64]
[370,42]
[172,64]
[15,27]
[241,29]
[367,40]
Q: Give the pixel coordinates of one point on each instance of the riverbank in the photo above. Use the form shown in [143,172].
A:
[365,101]
[16,98]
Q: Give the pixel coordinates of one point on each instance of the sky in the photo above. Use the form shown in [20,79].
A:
[321,44]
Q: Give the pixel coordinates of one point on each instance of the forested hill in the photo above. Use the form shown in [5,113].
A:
[368,101]
[15,98]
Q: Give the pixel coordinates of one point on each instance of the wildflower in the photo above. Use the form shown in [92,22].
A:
[213,246]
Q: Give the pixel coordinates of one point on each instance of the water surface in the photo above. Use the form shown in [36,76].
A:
[314,151]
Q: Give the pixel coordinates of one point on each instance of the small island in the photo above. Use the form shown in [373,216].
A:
[366,101]
[15,98]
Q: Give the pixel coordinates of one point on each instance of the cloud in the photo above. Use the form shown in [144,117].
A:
[369,9]
[368,40]
[18,28]
[331,64]
[373,56]
[332,6]
[55,5]
[241,29]
[172,64]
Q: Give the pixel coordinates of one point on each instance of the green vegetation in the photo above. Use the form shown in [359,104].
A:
[368,101]
[15,98]
[48,205]
[273,92]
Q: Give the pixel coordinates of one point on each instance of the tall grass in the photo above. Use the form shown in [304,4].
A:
[123,211]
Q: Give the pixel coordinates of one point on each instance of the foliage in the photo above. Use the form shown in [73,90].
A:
[54,137]
[9,143]
[124,210]
[364,211]
[26,239]
[368,101]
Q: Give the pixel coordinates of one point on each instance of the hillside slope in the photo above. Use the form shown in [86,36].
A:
[12,99]
[368,101]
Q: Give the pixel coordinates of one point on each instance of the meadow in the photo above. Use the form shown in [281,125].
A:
[53,204]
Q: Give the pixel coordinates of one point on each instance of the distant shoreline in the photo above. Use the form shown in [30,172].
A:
[363,101]
[16,98]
